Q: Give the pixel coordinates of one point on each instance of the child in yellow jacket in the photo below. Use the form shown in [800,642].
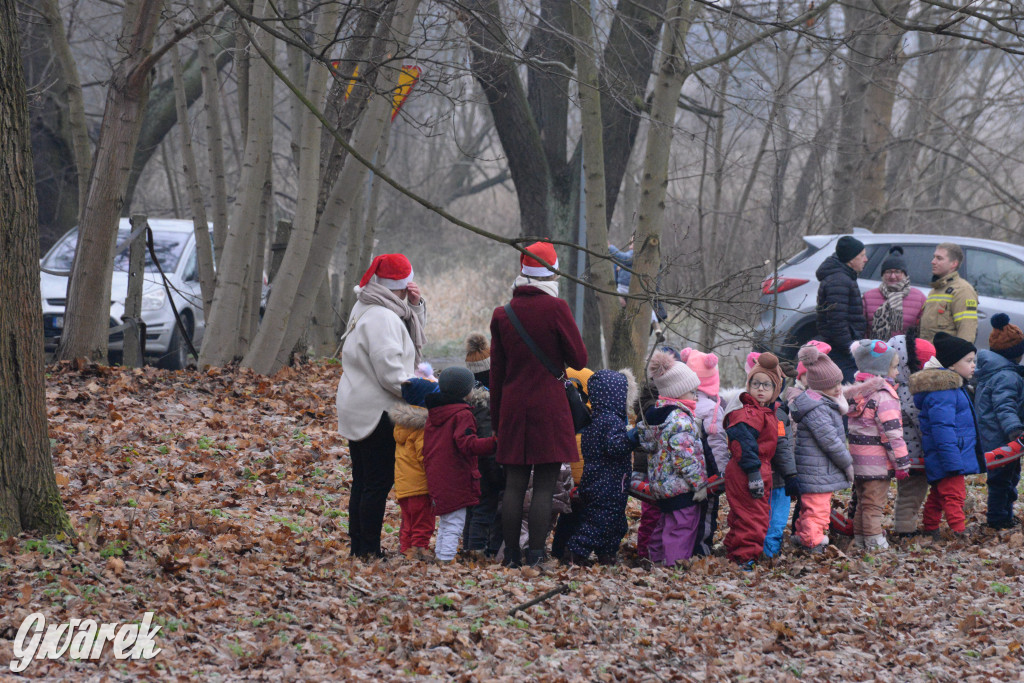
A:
[410,419]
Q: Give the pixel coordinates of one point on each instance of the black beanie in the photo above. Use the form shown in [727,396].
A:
[895,260]
[949,349]
[456,381]
[847,248]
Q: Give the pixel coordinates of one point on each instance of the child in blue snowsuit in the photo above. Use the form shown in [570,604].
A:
[607,446]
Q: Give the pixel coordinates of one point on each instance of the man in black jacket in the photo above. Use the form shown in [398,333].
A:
[840,308]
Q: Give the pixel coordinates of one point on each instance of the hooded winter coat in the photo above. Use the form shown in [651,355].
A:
[711,414]
[529,411]
[821,453]
[875,428]
[410,477]
[675,464]
[999,397]
[908,411]
[450,452]
[949,431]
[607,451]
[840,309]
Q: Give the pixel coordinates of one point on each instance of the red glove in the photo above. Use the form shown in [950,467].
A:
[901,475]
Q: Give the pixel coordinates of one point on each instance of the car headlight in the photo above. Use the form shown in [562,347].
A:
[154,301]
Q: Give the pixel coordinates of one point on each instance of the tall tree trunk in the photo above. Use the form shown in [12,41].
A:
[204,249]
[629,340]
[161,110]
[365,139]
[228,323]
[87,314]
[602,273]
[29,498]
[73,93]
[867,100]
[214,135]
[277,318]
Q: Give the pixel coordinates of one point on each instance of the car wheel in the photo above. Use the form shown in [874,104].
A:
[176,357]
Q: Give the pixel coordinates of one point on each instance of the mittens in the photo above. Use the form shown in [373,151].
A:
[849,474]
[901,475]
[634,436]
[792,487]
[700,495]
[755,485]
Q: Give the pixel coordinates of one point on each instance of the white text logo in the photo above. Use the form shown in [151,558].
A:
[81,639]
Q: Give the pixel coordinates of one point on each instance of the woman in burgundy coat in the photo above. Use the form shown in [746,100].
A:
[529,410]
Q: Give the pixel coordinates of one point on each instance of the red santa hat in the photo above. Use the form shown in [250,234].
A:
[534,268]
[391,270]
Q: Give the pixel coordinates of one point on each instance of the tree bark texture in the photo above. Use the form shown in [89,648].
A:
[601,272]
[209,54]
[227,326]
[204,248]
[365,139]
[872,72]
[87,314]
[631,332]
[161,110]
[277,318]
[29,498]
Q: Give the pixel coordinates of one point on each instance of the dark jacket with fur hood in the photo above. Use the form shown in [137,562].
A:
[949,432]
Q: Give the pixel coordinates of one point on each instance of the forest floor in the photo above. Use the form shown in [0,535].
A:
[218,502]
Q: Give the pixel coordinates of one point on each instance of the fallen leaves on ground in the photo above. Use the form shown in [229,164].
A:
[218,500]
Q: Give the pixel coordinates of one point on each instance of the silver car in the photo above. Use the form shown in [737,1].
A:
[174,244]
[996,269]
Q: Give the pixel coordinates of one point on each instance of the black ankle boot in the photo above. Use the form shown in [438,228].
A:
[535,558]
[513,558]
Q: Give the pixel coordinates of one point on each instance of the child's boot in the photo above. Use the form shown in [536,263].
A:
[876,543]
[608,560]
[424,555]
[536,558]
[411,554]
[574,559]
[858,541]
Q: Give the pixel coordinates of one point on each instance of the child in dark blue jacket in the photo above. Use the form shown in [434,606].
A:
[607,446]
[1000,397]
[949,433]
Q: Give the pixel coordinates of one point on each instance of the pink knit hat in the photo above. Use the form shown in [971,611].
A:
[822,372]
[706,367]
[671,378]
[801,369]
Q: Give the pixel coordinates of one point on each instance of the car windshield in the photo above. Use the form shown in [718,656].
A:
[167,245]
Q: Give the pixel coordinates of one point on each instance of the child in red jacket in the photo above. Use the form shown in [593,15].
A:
[753,431]
[450,452]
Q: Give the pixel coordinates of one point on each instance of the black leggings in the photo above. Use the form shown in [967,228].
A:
[373,475]
[517,478]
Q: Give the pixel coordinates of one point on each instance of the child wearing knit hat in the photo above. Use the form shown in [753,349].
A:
[875,428]
[451,451]
[913,352]
[710,412]
[999,396]
[948,431]
[410,418]
[785,489]
[823,462]
[676,466]
[753,430]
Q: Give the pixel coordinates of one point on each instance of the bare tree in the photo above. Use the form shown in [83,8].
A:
[29,499]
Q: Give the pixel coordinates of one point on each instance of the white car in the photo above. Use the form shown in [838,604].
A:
[175,246]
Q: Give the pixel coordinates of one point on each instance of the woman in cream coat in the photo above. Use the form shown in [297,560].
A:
[381,350]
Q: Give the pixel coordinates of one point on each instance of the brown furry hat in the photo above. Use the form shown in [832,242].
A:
[478,353]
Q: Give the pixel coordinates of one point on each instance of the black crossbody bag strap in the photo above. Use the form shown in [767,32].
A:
[532,345]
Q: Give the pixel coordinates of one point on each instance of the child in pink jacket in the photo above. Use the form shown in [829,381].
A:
[875,437]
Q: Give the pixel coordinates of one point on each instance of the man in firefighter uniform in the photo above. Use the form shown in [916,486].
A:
[952,304]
